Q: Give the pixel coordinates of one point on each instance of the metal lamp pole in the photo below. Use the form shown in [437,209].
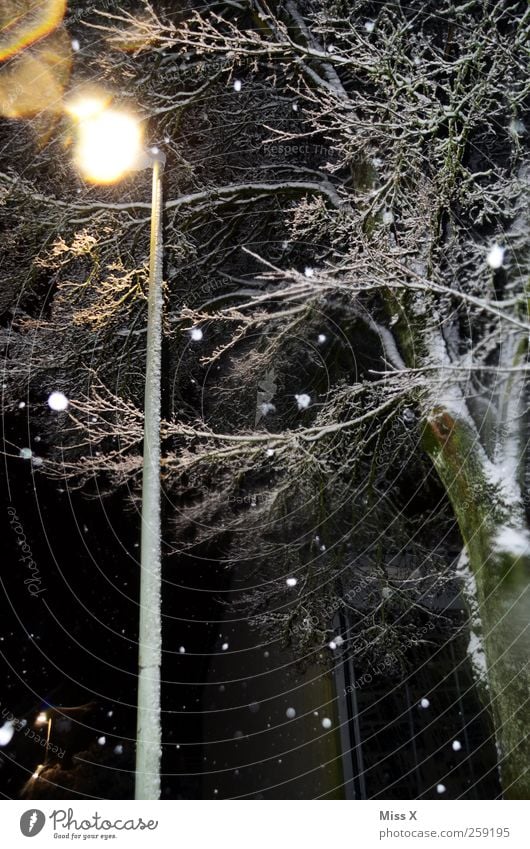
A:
[109,144]
[148,733]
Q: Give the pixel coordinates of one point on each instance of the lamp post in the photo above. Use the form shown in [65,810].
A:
[110,144]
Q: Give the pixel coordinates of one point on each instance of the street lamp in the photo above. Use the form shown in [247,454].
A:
[109,144]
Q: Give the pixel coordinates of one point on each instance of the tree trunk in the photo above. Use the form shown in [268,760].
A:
[494,530]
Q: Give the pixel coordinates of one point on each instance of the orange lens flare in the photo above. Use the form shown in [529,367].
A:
[35,61]
[23,22]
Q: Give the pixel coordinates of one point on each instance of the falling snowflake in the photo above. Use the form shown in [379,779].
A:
[495,257]
[266,408]
[237,85]
[291,582]
[58,402]
[332,645]
[326,723]
[424,703]
[290,713]
[6,733]
[303,401]
[75,45]
[224,647]
[26,453]
[440,788]
[369,26]
[182,650]
[456,745]
[388,217]
[118,750]
[308,271]
[270,452]
[517,128]
[196,334]
[102,741]
[321,338]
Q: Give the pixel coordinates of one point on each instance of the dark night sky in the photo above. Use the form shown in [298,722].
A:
[225,729]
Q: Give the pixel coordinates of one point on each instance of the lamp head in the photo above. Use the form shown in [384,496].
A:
[109,141]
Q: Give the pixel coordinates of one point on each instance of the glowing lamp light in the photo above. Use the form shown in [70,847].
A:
[42,718]
[109,141]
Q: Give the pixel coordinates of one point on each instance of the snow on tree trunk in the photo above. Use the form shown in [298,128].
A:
[489,512]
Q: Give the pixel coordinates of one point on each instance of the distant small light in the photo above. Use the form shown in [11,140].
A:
[42,718]
[58,402]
